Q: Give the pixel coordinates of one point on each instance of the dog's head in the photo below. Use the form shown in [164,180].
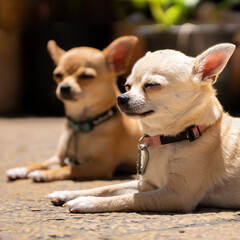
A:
[167,86]
[86,76]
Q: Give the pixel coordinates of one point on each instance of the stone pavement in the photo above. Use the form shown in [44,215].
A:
[25,214]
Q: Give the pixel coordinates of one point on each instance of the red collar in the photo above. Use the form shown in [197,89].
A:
[191,133]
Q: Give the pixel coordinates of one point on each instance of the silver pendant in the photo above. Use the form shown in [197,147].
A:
[143,157]
[68,161]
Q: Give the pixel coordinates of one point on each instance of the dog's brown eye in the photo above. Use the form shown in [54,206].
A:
[127,87]
[86,76]
[58,75]
[151,85]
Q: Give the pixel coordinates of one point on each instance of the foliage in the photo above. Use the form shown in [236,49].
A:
[167,12]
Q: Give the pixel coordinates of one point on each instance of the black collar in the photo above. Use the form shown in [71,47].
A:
[191,133]
[88,125]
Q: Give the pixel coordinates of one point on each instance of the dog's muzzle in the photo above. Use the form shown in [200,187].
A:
[127,107]
[123,100]
[65,91]
[124,103]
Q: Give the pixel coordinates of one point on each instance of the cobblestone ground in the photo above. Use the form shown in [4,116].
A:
[25,214]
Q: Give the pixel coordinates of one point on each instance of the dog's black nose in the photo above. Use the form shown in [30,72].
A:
[123,99]
[65,89]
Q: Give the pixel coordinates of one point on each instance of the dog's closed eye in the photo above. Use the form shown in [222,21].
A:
[151,85]
[127,87]
[58,76]
[86,76]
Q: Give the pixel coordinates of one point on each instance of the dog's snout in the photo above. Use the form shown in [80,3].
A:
[123,99]
[65,89]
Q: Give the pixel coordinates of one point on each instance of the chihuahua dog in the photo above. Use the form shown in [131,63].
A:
[189,154]
[98,139]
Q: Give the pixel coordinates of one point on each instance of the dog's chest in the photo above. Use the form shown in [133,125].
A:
[157,169]
[84,147]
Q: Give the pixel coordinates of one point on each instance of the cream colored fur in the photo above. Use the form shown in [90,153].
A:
[169,92]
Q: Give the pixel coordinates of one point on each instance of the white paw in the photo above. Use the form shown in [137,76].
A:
[60,197]
[17,173]
[37,176]
[83,205]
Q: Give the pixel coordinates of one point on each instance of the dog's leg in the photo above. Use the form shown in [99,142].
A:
[49,175]
[91,170]
[60,197]
[22,172]
[157,200]
[223,196]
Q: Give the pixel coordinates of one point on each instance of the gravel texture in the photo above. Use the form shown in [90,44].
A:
[26,214]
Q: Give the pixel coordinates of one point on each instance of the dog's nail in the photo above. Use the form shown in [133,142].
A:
[65,205]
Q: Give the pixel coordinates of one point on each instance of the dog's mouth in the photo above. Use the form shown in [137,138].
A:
[144,114]
[67,97]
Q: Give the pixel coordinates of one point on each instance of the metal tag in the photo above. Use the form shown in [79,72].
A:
[143,157]
[68,161]
[71,161]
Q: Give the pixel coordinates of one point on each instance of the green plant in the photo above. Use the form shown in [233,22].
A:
[170,12]
[167,12]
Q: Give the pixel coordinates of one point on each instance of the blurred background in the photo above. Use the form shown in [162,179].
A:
[191,26]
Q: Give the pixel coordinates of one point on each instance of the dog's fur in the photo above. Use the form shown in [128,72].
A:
[91,76]
[169,92]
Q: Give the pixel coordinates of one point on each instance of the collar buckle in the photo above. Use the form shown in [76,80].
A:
[193,133]
[88,125]
[82,127]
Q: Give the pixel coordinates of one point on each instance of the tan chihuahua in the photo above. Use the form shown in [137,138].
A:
[98,139]
[190,150]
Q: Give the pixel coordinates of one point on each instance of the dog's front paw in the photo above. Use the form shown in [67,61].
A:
[83,205]
[58,198]
[17,173]
[37,176]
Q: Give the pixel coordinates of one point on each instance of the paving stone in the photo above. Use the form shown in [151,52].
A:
[26,214]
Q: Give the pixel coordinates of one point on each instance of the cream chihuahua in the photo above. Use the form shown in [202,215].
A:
[98,139]
[192,145]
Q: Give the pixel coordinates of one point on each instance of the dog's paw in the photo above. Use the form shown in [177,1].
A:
[83,205]
[17,173]
[58,198]
[37,176]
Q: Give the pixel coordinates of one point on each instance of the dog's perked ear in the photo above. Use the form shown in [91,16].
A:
[119,52]
[209,64]
[55,51]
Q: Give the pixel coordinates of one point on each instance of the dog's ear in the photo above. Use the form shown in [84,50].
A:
[119,52]
[209,64]
[147,53]
[54,51]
